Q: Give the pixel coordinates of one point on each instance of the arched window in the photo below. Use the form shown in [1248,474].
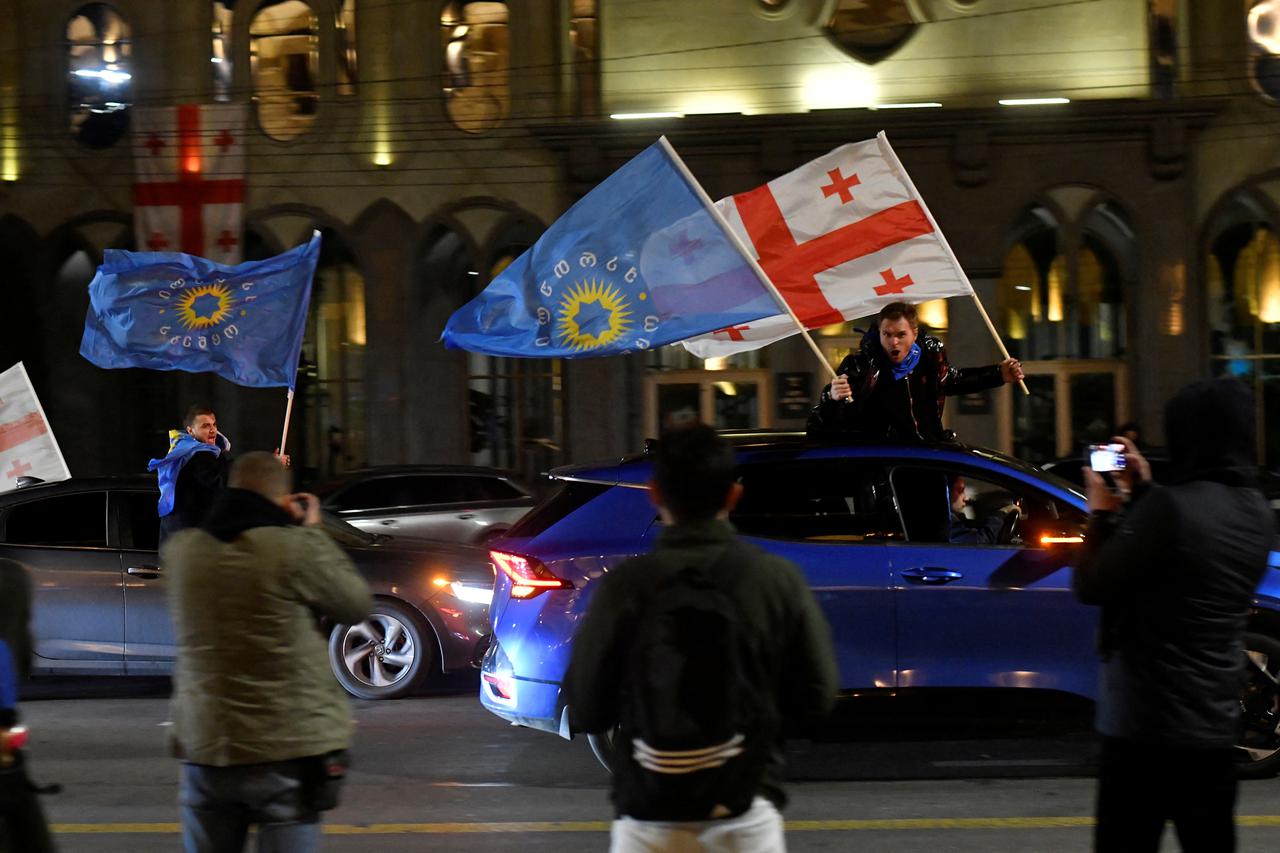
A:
[344,41]
[1263,22]
[1060,303]
[220,49]
[99,82]
[283,56]
[1243,280]
[333,352]
[477,57]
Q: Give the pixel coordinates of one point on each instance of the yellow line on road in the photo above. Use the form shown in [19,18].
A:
[926,823]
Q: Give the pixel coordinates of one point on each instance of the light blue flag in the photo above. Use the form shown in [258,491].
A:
[638,262]
[170,311]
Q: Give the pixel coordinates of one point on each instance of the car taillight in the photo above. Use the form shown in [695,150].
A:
[528,576]
[14,738]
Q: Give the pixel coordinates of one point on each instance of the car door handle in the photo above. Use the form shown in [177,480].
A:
[388,522]
[147,572]
[467,515]
[931,575]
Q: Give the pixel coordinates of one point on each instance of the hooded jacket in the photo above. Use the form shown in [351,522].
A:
[884,407]
[252,682]
[1175,576]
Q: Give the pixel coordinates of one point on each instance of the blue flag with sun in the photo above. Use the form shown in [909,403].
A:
[170,311]
[639,262]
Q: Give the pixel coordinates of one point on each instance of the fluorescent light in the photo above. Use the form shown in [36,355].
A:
[215,59]
[1023,287]
[106,75]
[634,116]
[919,106]
[1032,102]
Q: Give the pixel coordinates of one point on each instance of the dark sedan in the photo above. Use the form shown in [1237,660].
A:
[99,608]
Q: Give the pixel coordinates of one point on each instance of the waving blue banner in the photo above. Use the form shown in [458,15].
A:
[170,311]
[638,262]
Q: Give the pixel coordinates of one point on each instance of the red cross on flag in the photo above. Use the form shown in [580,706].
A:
[839,237]
[189,163]
[27,445]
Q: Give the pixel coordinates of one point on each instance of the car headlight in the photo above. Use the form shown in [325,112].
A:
[471,593]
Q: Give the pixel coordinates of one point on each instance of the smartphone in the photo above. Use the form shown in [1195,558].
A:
[1105,457]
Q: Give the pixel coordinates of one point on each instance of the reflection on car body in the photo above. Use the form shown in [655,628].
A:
[869,526]
[99,605]
[455,503]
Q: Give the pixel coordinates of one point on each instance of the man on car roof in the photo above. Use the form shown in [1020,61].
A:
[895,385]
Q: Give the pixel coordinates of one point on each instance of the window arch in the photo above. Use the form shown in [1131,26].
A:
[99,82]
[284,60]
[477,59]
[1242,279]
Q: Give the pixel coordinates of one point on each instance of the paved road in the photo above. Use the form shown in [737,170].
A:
[435,772]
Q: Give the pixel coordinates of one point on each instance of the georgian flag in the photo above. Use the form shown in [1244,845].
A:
[189,164]
[839,237]
[27,445]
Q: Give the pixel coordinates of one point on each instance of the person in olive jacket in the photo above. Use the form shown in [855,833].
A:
[1175,573]
[897,382]
[258,718]
[694,487]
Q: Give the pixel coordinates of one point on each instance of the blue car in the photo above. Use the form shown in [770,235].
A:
[936,565]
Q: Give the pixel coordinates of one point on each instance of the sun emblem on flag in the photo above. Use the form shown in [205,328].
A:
[205,306]
[592,313]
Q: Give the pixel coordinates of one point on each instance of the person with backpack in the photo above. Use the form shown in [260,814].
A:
[693,656]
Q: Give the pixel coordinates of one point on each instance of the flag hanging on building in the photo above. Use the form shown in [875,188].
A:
[189,167]
[840,237]
[171,311]
[638,262]
[27,445]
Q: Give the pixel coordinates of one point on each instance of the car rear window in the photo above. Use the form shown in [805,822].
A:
[568,498]
[67,520]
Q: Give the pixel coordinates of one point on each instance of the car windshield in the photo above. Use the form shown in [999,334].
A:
[343,533]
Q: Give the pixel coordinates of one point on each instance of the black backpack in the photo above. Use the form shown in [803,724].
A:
[697,721]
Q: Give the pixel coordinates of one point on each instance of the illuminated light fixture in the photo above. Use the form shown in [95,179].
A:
[217,60]
[641,116]
[470,593]
[1263,27]
[1032,102]
[382,159]
[472,272]
[440,580]
[727,388]
[1061,540]
[719,362]
[840,88]
[107,75]
[1025,288]
[923,105]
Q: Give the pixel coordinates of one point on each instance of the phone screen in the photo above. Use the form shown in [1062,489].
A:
[1105,457]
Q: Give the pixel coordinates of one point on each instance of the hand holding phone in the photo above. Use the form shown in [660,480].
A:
[306,508]
[1105,458]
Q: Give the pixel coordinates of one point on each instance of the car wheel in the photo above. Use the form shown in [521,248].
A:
[1259,747]
[384,657]
[604,747]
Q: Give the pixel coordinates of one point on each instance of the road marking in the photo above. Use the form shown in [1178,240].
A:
[879,824]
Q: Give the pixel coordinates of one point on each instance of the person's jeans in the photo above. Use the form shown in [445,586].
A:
[1141,786]
[219,804]
[758,830]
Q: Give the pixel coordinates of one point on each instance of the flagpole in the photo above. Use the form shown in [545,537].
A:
[892,157]
[288,411]
[744,251]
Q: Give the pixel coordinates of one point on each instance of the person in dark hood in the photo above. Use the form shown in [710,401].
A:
[897,382]
[1174,570]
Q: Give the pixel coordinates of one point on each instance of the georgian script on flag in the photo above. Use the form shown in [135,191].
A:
[189,195]
[839,237]
[27,445]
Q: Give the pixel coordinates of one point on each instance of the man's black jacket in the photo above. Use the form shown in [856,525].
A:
[782,617]
[1175,576]
[884,407]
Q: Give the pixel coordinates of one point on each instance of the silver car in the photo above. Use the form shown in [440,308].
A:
[454,503]
[99,603]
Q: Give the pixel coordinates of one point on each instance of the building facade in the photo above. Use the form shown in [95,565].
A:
[1103,169]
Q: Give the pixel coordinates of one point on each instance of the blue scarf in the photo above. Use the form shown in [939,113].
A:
[182,446]
[908,364]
